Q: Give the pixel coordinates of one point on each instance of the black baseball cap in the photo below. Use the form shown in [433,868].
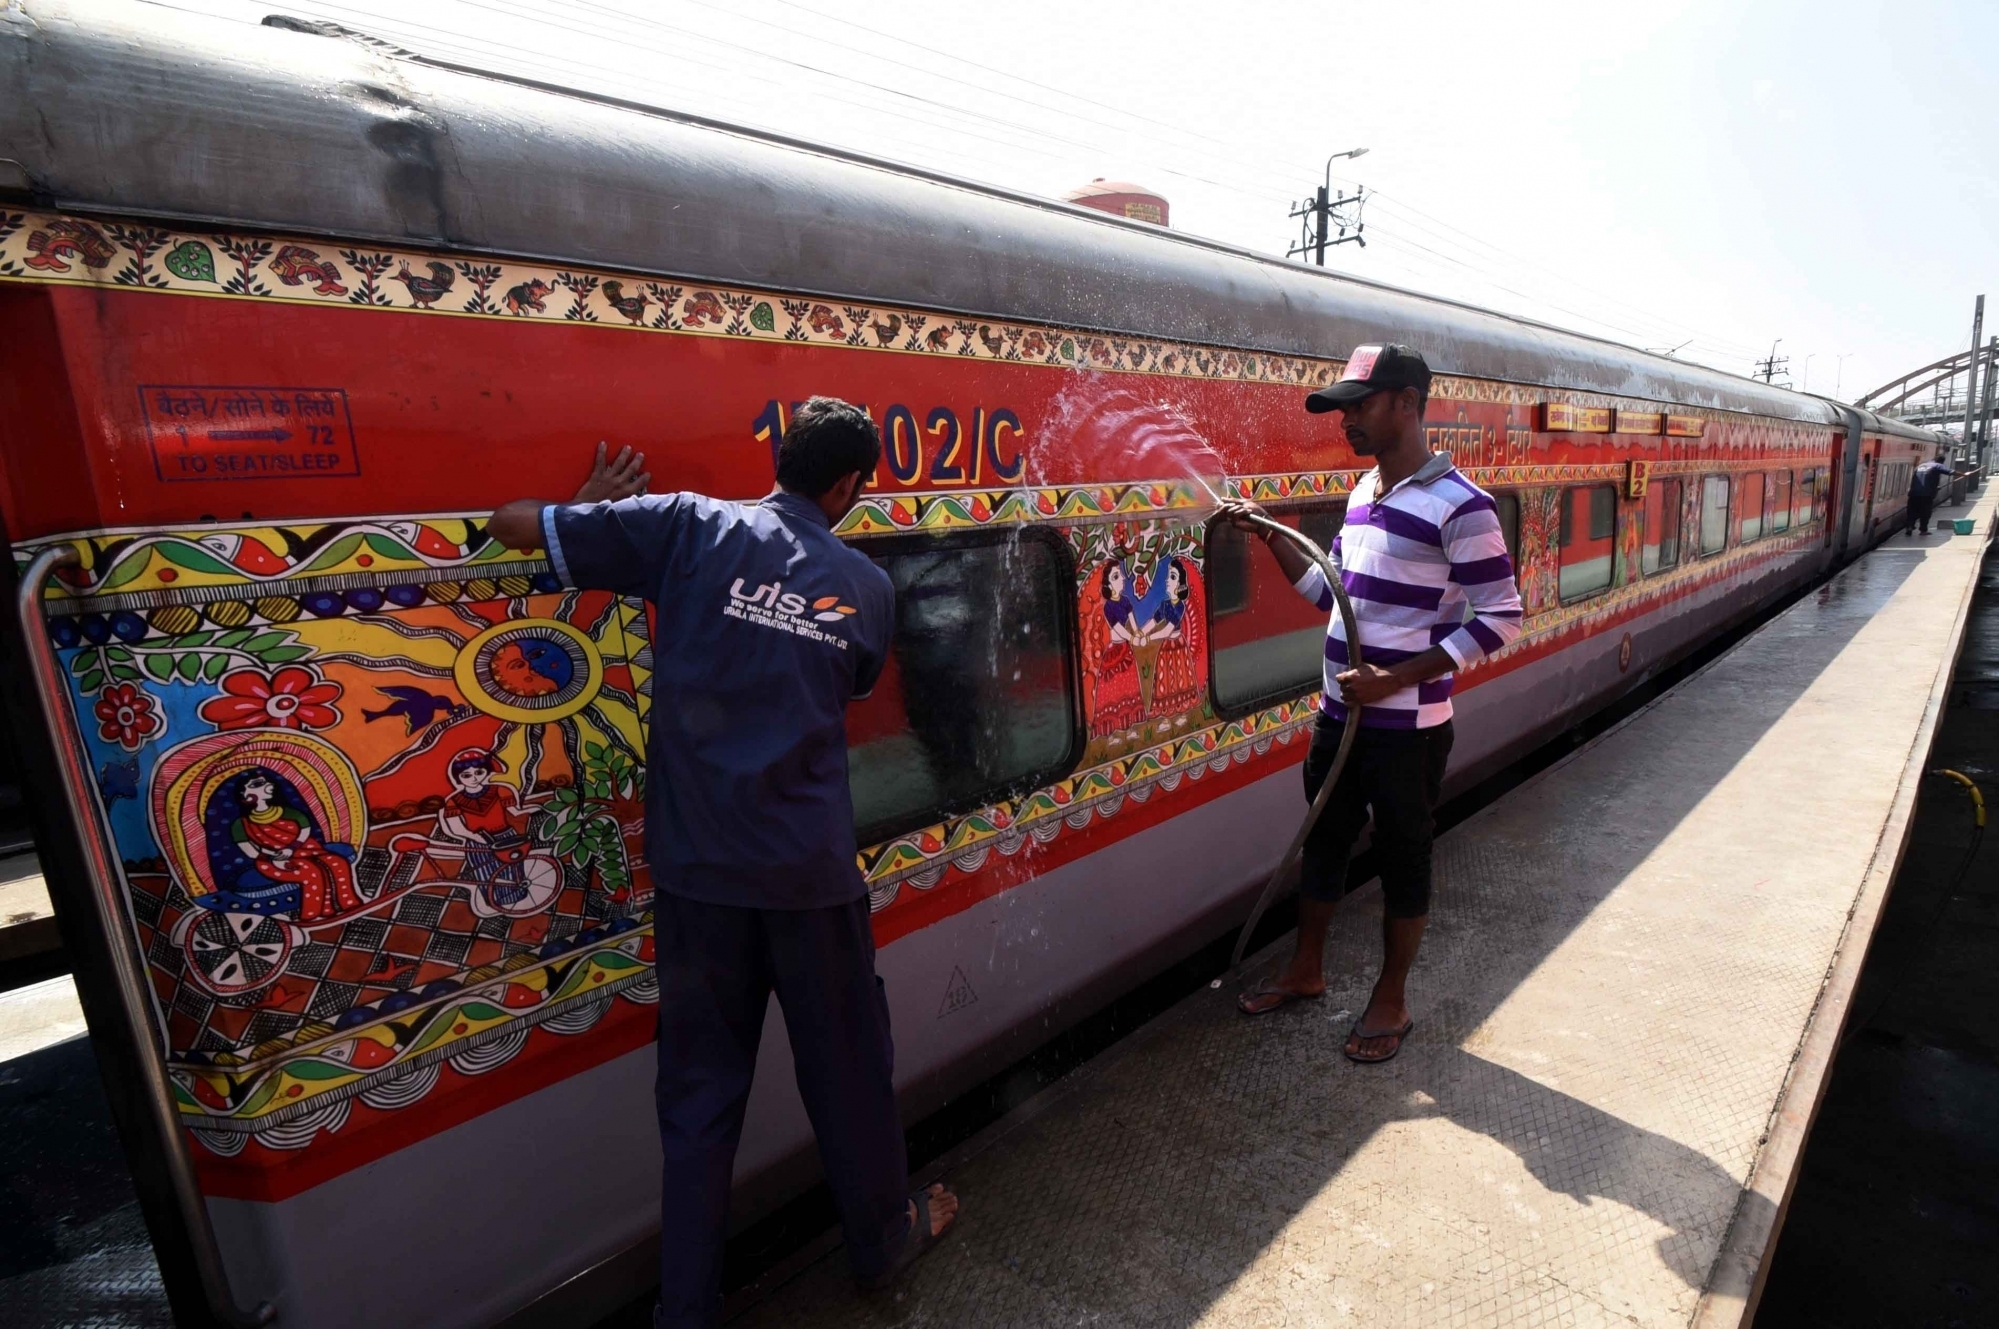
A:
[1372,369]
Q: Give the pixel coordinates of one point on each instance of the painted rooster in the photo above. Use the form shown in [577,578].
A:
[425,290]
[632,307]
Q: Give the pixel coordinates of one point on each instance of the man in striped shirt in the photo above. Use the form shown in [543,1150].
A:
[1424,563]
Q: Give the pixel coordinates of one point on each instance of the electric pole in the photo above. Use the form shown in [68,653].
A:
[1773,364]
[1322,212]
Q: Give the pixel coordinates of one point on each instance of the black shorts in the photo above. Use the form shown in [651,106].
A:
[1399,775]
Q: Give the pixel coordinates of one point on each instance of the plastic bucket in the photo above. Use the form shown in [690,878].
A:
[1962,525]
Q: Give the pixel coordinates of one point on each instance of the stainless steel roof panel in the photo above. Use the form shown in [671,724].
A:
[131,108]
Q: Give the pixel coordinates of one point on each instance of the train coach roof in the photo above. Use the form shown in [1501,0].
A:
[146,110]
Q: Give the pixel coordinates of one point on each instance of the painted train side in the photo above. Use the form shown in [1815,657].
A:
[265,374]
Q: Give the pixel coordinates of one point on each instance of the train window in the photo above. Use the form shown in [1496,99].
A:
[977,697]
[1508,511]
[1227,571]
[1780,501]
[1752,508]
[1661,549]
[1714,513]
[1276,649]
[1805,497]
[1588,530]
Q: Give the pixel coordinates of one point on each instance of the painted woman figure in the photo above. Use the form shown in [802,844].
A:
[1176,626]
[486,817]
[281,841]
[1117,704]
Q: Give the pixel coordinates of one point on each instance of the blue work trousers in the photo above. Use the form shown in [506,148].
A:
[718,965]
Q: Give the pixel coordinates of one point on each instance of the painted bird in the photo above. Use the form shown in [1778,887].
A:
[632,307]
[416,706]
[423,290]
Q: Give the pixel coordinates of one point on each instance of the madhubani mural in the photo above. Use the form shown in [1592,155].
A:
[1539,570]
[377,792]
[1142,618]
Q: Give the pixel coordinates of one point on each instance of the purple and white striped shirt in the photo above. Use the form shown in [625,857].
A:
[1425,565]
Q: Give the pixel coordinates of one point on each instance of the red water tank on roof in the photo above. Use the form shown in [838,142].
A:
[1121,198]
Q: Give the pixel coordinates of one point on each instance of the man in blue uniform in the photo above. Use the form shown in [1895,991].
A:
[767,626]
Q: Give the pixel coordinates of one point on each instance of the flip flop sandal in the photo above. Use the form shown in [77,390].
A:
[1241,1003]
[1397,1034]
[918,1241]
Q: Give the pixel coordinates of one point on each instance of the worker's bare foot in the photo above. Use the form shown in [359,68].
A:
[943,1207]
[1281,991]
[1378,1033]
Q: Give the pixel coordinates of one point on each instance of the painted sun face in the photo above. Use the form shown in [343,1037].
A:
[516,673]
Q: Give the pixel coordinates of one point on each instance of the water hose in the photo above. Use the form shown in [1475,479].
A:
[1287,868]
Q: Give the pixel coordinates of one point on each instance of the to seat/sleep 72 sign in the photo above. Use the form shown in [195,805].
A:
[203,432]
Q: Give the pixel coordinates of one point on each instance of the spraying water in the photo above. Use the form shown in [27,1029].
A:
[1095,433]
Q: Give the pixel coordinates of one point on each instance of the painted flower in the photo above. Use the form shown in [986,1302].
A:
[127,716]
[291,698]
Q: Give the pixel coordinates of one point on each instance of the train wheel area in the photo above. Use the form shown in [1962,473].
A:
[1637,976]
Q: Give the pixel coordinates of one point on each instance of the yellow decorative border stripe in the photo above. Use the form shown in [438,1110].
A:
[142,256]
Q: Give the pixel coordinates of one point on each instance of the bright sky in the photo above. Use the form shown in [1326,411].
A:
[1700,172]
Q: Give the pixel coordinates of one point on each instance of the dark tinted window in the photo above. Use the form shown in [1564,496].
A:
[1268,641]
[1228,570]
[1508,506]
[977,697]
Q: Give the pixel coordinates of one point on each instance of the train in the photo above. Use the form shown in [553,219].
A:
[290,311]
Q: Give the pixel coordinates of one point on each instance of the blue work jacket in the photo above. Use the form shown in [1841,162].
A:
[766,626]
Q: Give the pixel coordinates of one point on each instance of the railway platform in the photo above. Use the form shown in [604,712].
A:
[1626,1012]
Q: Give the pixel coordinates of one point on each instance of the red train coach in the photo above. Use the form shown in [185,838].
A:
[287,315]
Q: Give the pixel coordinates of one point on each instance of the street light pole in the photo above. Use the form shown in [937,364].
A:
[1808,371]
[1839,373]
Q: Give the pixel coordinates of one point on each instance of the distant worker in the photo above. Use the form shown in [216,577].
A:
[1419,543]
[1923,488]
[767,626]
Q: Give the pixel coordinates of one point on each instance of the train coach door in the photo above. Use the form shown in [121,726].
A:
[1873,467]
[1847,449]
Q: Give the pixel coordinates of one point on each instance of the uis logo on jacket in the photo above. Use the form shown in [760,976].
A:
[770,605]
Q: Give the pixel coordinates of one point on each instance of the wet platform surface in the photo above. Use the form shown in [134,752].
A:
[1626,1009]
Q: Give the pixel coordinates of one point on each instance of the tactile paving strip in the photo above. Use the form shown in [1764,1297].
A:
[1623,958]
